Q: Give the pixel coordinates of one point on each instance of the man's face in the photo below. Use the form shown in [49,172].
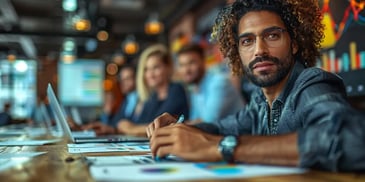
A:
[127,80]
[265,48]
[191,67]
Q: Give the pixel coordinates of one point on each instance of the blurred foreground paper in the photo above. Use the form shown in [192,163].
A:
[185,171]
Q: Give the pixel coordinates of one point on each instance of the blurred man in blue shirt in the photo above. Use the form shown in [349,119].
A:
[212,95]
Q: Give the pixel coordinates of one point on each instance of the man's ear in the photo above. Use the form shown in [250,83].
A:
[294,47]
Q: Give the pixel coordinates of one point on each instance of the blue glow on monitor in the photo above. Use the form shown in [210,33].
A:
[81,83]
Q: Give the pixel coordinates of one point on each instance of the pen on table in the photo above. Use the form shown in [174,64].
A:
[181,119]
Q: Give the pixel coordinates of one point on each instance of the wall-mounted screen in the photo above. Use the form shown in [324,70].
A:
[80,83]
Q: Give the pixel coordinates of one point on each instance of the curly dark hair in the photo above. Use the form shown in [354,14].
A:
[302,19]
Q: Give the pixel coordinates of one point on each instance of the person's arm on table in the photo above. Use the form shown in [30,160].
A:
[332,145]
[99,128]
[193,144]
[129,128]
[275,150]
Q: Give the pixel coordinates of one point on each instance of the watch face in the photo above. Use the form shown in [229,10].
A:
[229,141]
[227,146]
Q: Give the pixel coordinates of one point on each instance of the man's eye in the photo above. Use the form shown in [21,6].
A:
[272,36]
[246,42]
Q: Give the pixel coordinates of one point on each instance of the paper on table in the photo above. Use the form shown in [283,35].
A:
[11,159]
[107,147]
[141,145]
[129,159]
[120,160]
[20,155]
[27,142]
[183,171]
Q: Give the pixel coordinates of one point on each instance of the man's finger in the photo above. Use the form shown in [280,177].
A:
[149,129]
[159,141]
[163,151]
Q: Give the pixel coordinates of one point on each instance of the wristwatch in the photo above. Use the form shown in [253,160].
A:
[226,147]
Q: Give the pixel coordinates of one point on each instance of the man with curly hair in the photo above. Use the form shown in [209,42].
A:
[298,117]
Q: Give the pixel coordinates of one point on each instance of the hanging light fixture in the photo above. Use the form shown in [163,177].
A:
[130,46]
[102,35]
[81,21]
[11,56]
[153,26]
[69,5]
[68,52]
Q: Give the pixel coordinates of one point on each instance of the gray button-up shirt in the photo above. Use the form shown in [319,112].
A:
[312,97]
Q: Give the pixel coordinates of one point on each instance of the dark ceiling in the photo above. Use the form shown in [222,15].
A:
[36,28]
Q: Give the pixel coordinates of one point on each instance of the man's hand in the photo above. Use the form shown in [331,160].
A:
[73,125]
[163,120]
[185,142]
[99,128]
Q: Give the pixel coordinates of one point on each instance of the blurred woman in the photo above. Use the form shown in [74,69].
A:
[157,93]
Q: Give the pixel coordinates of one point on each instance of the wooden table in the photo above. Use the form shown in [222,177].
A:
[58,165]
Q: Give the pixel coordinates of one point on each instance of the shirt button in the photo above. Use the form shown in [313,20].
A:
[275,120]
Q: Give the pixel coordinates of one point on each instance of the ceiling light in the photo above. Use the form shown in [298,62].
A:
[153,26]
[81,20]
[119,59]
[11,57]
[82,25]
[69,44]
[130,46]
[68,52]
[112,68]
[69,5]
[21,66]
[67,57]
[102,35]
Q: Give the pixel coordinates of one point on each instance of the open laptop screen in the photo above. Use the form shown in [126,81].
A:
[62,122]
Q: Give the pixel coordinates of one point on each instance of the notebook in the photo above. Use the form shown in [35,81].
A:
[62,122]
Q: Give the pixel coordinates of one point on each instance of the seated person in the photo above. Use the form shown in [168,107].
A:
[156,90]
[156,94]
[300,116]
[212,94]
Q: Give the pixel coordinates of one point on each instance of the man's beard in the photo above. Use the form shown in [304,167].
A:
[267,79]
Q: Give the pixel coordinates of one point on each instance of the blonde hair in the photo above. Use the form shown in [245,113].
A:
[142,89]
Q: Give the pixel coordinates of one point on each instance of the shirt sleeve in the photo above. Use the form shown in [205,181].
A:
[332,134]
[337,144]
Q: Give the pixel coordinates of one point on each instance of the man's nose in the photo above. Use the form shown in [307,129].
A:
[260,47]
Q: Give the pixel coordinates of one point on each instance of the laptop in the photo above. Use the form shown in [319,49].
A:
[62,122]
